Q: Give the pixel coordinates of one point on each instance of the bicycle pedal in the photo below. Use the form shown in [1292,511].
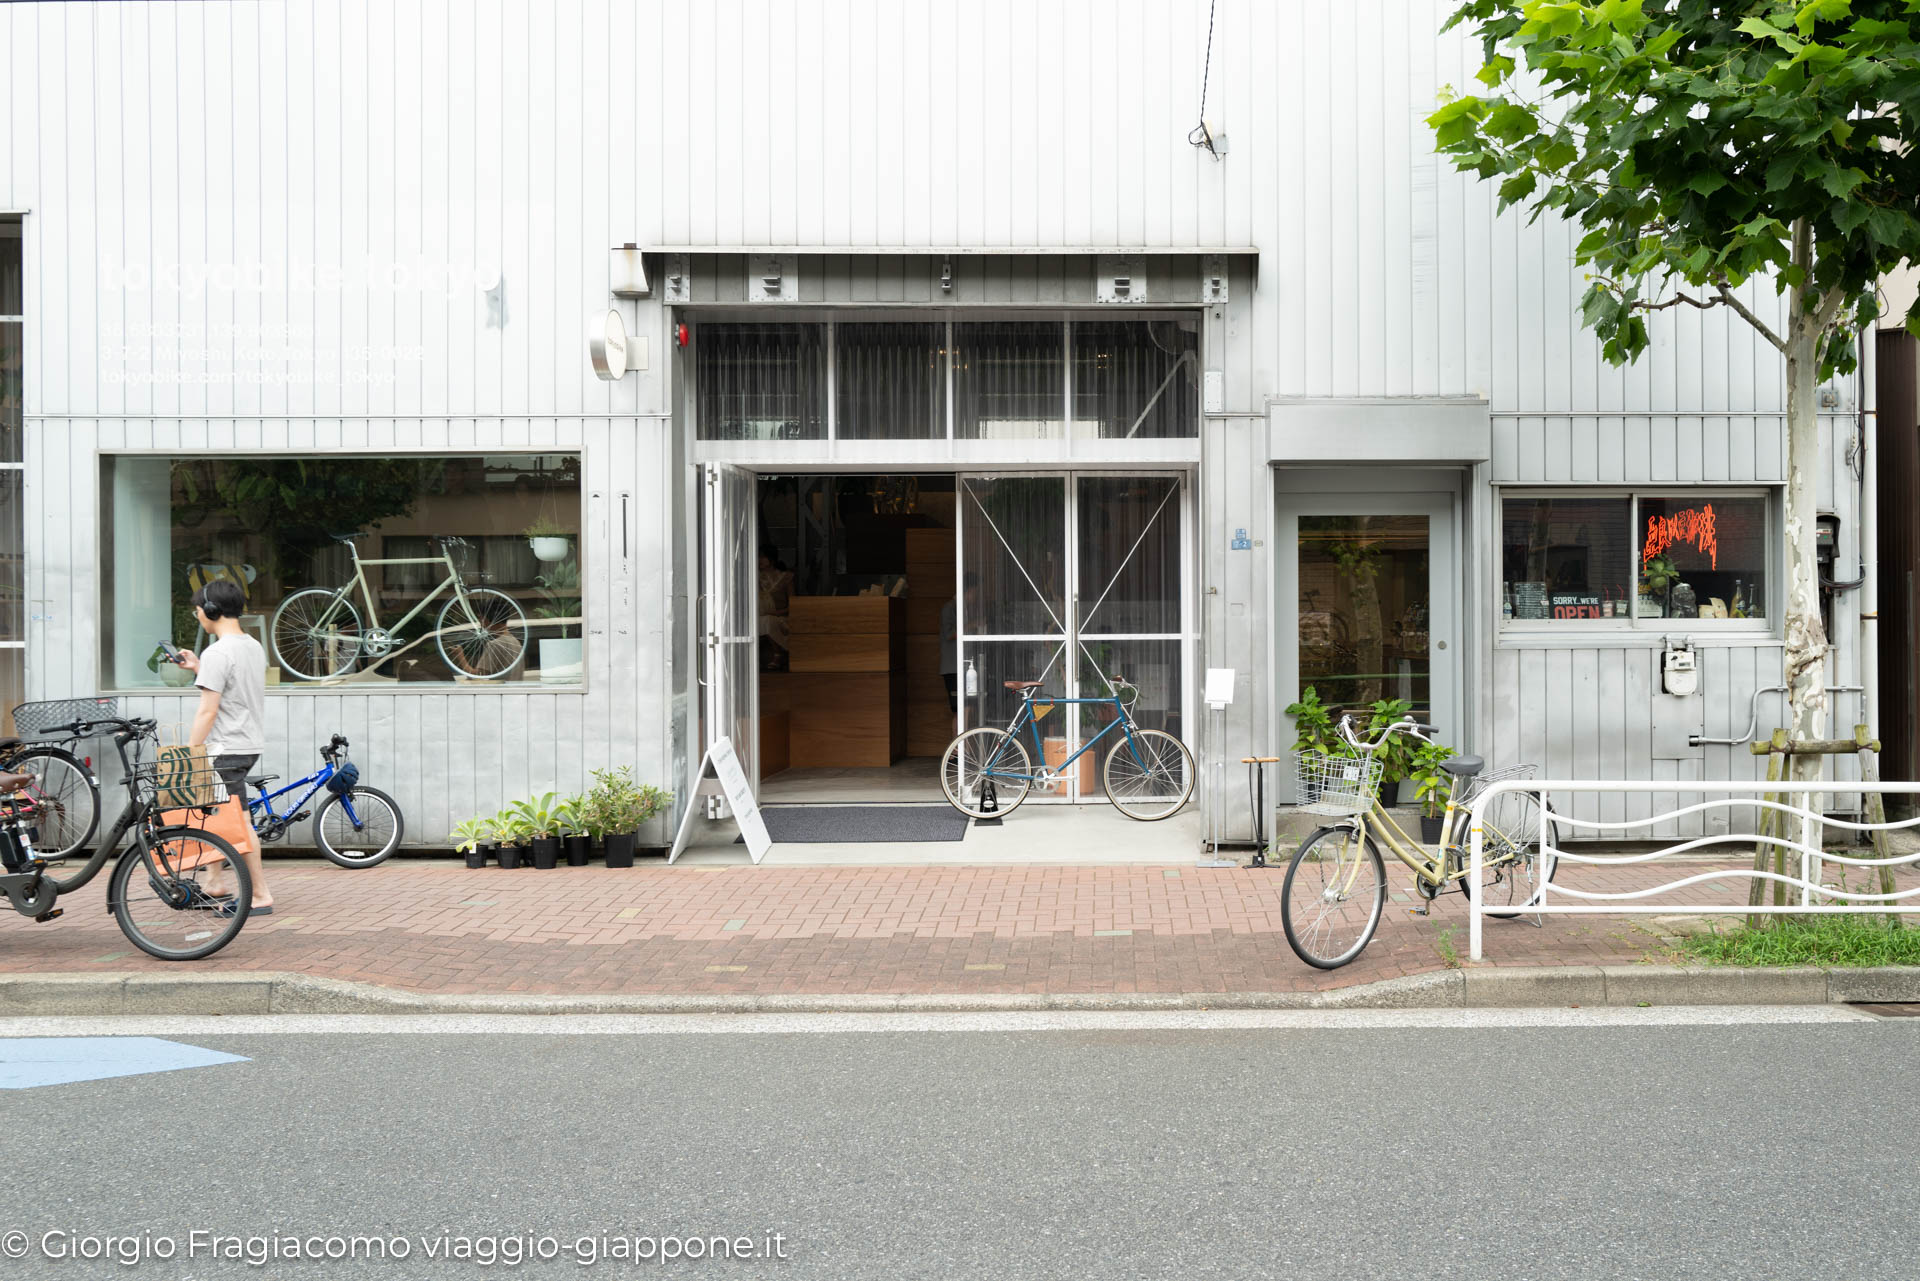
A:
[50,913]
[1419,911]
[296,818]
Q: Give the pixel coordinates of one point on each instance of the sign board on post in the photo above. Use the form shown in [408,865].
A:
[733,785]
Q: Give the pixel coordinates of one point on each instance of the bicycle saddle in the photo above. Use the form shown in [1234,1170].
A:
[8,743]
[11,782]
[1462,766]
[259,781]
[348,538]
[1017,686]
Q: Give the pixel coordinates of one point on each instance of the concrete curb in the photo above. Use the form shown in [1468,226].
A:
[1474,987]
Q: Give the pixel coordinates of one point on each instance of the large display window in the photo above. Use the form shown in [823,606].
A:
[357,571]
[1573,560]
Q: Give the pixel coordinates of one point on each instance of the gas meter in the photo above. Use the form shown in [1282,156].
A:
[1678,673]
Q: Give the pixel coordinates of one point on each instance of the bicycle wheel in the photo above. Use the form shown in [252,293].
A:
[1331,901]
[360,834]
[1515,870]
[1150,777]
[63,800]
[160,893]
[316,634]
[489,643]
[983,758]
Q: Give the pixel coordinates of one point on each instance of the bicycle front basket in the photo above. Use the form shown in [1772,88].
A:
[44,718]
[1337,786]
[179,780]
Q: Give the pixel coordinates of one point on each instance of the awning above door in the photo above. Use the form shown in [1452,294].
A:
[1379,429]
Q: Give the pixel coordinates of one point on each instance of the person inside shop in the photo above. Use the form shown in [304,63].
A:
[950,637]
[775,590]
[231,673]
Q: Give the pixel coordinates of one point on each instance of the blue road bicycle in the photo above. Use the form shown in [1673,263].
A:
[355,826]
[987,772]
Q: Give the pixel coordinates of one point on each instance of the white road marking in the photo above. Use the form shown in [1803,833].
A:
[1006,1021]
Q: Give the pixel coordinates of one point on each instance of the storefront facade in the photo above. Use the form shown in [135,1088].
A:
[1308,410]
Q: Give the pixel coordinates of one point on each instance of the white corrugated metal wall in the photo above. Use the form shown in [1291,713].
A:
[418,149]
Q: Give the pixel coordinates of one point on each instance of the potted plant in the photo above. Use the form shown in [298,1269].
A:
[560,597]
[617,806]
[549,541]
[513,834]
[577,841]
[1430,788]
[1314,728]
[1657,575]
[467,839]
[538,817]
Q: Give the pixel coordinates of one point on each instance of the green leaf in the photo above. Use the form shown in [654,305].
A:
[1707,182]
[1516,188]
[1839,183]
[1497,68]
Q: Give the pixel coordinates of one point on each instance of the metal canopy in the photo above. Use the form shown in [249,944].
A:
[955,251]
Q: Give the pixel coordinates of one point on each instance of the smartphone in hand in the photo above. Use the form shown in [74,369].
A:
[172,652]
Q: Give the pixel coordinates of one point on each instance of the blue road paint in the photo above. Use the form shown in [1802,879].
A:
[28,1061]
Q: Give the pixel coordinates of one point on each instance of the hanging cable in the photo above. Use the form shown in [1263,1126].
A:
[1200,136]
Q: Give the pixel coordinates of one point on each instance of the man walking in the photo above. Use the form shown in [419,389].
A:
[231,721]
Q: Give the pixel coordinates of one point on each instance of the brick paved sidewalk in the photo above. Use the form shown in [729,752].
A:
[434,926]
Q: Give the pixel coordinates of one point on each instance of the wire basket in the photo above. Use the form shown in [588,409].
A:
[48,717]
[1481,782]
[178,783]
[1337,786]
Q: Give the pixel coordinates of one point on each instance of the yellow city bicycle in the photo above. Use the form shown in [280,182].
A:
[1336,883]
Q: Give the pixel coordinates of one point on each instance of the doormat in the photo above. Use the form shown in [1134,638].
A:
[861,824]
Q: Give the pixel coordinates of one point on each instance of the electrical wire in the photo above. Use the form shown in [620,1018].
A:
[1199,135]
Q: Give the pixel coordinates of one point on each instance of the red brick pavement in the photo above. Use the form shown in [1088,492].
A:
[434,926]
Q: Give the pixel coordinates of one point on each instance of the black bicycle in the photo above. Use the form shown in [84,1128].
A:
[64,796]
[178,892]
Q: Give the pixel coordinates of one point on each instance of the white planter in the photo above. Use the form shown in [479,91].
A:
[551,550]
[560,662]
[178,677]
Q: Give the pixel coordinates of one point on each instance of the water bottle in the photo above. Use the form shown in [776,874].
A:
[973,681]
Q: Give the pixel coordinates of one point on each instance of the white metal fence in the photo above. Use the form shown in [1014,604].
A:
[1556,898]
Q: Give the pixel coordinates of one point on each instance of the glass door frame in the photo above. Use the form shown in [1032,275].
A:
[1070,638]
[1445,575]
[728,613]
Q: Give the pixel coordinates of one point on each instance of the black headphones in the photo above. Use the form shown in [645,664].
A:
[211,610]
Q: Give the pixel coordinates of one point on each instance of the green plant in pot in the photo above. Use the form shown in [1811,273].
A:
[549,539]
[541,819]
[470,839]
[1430,785]
[560,598]
[618,806]
[1315,726]
[514,835]
[575,838]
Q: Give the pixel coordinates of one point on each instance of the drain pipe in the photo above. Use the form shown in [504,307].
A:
[1753,718]
[1868,402]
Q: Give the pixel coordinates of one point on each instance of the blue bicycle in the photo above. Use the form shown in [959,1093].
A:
[355,826]
[987,772]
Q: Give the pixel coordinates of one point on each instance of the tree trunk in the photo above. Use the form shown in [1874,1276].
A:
[1806,638]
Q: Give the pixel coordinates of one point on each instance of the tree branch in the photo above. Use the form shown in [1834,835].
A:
[1675,301]
[1726,296]
[1829,309]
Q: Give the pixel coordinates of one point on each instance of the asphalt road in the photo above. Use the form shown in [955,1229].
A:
[1193,1148]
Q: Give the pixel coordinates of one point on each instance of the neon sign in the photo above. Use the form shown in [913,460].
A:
[1694,525]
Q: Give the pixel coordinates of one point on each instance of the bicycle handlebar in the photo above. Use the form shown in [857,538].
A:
[1405,725]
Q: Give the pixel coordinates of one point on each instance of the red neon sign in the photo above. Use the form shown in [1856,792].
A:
[1694,525]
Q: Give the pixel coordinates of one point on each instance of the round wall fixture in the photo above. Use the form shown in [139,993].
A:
[607,345]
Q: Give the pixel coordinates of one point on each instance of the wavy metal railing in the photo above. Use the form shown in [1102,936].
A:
[1748,794]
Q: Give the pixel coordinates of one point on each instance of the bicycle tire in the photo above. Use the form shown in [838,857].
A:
[1303,935]
[975,751]
[333,808]
[169,898]
[1520,830]
[295,626]
[491,650]
[1149,761]
[66,800]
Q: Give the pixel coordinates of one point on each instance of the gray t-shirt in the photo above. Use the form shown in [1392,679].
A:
[235,668]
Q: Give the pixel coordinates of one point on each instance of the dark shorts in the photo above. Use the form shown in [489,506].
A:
[953,690]
[233,771]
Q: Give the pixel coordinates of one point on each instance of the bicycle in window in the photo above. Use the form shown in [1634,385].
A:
[165,890]
[1336,883]
[354,826]
[320,634]
[987,772]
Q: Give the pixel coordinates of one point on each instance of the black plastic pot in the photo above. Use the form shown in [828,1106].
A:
[578,848]
[489,851]
[476,857]
[546,852]
[620,848]
[1430,828]
[510,856]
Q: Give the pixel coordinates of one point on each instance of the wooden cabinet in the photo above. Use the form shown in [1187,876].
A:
[847,680]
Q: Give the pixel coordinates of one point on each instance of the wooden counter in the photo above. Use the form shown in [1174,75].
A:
[847,680]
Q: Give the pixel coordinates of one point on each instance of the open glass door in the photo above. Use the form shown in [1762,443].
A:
[729,648]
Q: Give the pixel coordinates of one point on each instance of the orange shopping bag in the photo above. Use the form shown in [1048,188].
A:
[228,821]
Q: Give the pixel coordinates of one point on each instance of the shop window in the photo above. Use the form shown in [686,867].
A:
[1136,379]
[761,381]
[890,382]
[481,585]
[1577,560]
[1009,380]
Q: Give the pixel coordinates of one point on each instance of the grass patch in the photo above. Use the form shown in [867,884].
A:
[1444,945]
[1815,940]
